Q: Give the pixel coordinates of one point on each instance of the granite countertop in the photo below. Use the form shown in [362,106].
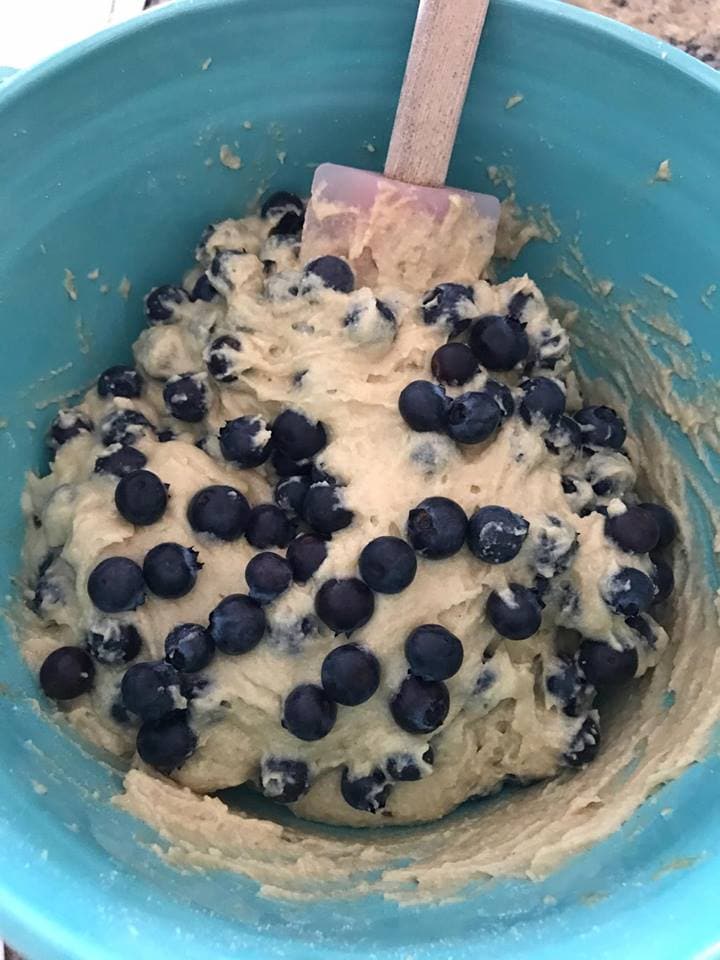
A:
[693,25]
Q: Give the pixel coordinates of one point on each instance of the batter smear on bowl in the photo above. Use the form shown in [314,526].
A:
[366,549]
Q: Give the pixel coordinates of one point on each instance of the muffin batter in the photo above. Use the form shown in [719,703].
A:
[347,545]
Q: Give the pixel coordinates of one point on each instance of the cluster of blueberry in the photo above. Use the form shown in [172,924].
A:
[158,695]
[495,343]
[350,675]
[501,344]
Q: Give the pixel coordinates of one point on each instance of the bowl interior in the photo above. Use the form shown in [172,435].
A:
[109,160]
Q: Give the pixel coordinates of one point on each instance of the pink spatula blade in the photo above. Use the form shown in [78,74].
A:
[398,233]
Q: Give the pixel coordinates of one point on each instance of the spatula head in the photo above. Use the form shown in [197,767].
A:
[409,236]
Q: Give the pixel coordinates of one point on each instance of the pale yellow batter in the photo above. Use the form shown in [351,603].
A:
[297,352]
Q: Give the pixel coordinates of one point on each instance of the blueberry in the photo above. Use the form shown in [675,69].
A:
[237,624]
[502,395]
[66,673]
[404,766]
[203,290]
[550,345]
[603,488]
[112,642]
[166,743]
[424,406]
[473,417]
[499,343]
[370,321]
[223,263]
[185,397]
[570,686]
[221,358]
[290,494]
[436,528]
[194,685]
[324,509]
[245,441]
[565,435]
[514,612]
[449,304]
[603,665]
[161,302]
[601,427]
[305,555]
[121,462]
[554,543]
[369,793]
[165,436]
[298,437]
[289,225]
[284,781]
[150,689]
[541,586]
[643,628]
[420,706]
[120,382]
[220,511]
[124,426]
[344,605]
[332,272]
[268,575]
[202,250]
[189,647]
[350,674]
[496,534]
[453,363]
[268,526]
[517,304]
[568,485]
[584,745]
[386,311]
[170,570]
[665,520]
[308,712]
[635,531]
[119,714]
[285,466]
[543,400]
[433,653]
[388,564]
[116,585]
[48,560]
[281,202]
[663,578]
[318,475]
[629,592]
[141,498]
[66,425]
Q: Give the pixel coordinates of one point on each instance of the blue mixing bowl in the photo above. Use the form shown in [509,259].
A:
[103,155]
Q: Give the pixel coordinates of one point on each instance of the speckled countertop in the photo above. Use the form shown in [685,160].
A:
[693,25]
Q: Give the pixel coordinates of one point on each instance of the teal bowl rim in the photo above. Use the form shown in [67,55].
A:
[558,9]
[22,915]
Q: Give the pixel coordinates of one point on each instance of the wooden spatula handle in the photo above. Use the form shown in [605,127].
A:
[441,57]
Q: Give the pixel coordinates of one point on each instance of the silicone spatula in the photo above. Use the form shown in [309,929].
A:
[406,227]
